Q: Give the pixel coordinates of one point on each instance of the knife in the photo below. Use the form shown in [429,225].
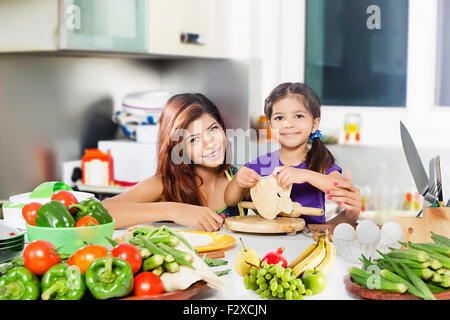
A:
[437,168]
[414,162]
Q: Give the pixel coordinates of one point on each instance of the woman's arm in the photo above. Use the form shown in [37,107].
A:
[142,204]
[286,176]
[335,186]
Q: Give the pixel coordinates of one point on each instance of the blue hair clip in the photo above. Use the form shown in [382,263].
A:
[316,134]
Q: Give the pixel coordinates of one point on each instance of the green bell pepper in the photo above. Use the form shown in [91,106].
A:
[54,214]
[94,208]
[109,277]
[19,284]
[63,282]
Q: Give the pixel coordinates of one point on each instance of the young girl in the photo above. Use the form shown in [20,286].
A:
[192,170]
[293,111]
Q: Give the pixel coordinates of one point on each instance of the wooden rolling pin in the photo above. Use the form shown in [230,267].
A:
[297,211]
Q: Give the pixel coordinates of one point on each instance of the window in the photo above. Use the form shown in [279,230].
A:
[356,51]
[443,54]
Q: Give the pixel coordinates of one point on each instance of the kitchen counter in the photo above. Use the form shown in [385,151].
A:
[293,244]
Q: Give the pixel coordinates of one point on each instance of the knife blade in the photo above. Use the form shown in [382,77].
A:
[437,168]
[414,162]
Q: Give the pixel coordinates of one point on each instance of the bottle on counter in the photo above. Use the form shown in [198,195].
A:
[264,132]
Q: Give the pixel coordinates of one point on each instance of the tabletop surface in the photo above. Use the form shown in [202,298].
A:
[263,243]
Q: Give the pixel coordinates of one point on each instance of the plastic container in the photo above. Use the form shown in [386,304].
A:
[12,209]
[68,240]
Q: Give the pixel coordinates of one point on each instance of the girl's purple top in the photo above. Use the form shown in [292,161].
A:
[303,193]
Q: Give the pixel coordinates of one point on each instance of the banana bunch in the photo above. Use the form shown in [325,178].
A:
[319,256]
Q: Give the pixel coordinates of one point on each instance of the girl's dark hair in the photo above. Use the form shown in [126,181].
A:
[180,182]
[319,158]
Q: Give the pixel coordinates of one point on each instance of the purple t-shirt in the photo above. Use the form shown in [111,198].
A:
[303,193]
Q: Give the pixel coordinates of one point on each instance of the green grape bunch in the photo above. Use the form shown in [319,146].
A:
[273,281]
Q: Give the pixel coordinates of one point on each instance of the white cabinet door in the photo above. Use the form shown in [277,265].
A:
[28,25]
[195,28]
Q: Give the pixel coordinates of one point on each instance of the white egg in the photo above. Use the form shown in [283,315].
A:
[368,232]
[391,232]
[344,231]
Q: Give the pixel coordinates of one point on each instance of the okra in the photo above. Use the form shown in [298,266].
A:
[424,273]
[418,283]
[443,271]
[411,254]
[173,241]
[152,262]
[362,278]
[111,241]
[169,258]
[154,249]
[145,253]
[171,267]
[441,280]
[158,271]
[435,264]
[188,257]
[434,288]
[392,277]
[445,261]
[433,247]
[179,236]
[394,265]
[440,239]
[178,255]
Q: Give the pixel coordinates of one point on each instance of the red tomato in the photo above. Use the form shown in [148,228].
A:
[147,284]
[130,254]
[39,256]
[86,221]
[29,212]
[83,257]
[66,198]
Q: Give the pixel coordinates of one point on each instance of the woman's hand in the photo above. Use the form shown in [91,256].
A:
[247,178]
[348,197]
[198,217]
[286,176]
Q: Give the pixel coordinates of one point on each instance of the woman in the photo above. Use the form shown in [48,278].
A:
[192,171]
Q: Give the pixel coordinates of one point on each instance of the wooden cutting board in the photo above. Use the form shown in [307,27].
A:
[418,230]
[257,224]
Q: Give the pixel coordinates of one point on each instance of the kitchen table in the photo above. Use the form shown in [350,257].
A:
[263,243]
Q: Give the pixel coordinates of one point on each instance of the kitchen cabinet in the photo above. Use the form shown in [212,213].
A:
[51,25]
[194,28]
[103,25]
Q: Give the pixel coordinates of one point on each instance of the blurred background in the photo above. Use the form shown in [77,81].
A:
[93,74]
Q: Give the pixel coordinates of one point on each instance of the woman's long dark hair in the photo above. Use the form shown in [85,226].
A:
[180,183]
[319,158]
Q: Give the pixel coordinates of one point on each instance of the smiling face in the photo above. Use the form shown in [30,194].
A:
[291,122]
[205,142]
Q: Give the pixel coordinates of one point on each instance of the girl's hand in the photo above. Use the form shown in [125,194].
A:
[198,217]
[348,197]
[286,176]
[247,178]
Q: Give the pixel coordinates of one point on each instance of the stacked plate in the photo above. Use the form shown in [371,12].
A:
[12,242]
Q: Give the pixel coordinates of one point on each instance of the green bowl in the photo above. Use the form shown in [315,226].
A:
[69,240]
